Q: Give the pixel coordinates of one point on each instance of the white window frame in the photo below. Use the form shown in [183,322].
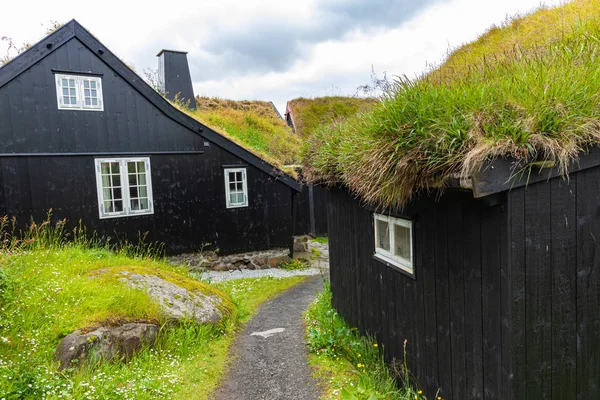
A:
[388,256]
[123,170]
[228,202]
[79,92]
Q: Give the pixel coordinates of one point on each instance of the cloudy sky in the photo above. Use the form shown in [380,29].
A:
[274,49]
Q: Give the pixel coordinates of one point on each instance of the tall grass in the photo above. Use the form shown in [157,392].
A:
[47,234]
[352,366]
[532,103]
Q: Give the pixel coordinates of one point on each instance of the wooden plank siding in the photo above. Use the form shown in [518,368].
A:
[505,303]
[453,335]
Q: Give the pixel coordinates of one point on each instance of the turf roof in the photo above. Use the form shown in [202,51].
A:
[308,114]
[254,125]
[527,90]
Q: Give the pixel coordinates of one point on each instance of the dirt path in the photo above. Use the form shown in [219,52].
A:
[270,352]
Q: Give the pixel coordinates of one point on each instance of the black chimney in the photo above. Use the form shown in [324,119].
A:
[174,76]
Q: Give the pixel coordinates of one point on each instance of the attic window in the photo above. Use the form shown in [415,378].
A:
[79,92]
[124,187]
[236,188]
[393,241]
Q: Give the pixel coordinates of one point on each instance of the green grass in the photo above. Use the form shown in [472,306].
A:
[295,265]
[536,100]
[351,367]
[253,125]
[321,239]
[249,294]
[311,113]
[50,286]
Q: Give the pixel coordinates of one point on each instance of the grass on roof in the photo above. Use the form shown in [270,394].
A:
[309,114]
[254,125]
[528,90]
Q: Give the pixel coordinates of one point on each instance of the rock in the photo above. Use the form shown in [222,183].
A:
[275,262]
[210,261]
[301,244]
[177,302]
[105,343]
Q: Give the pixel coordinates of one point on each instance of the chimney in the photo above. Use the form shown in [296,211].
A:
[174,76]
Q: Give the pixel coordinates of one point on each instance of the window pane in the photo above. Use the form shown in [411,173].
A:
[238,176]
[141,179]
[116,180]
[131,167]
[383,235]
[135,204]
[66,100]
[65,92]
[144,204]
[95,102]
[105,168]
[72,91]
[107,193]
[402,242]
[73,100]
[141,166]
[132,179]
[87,102]
[86,92]
[143,191]
[231,176]
[94,93]
[72,82]
[133,191]
[64,82]
[232,186]
[108,206]
[114,167]
[118,205]
[86,84]
[240,197]
[117,193]
[93,83]
[106,181]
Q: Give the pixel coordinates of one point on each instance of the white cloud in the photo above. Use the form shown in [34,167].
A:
[328,65]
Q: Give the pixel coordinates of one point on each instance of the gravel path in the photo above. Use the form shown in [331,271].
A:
[270,353]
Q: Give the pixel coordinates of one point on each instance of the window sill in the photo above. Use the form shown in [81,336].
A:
[238,206]
[109,216]
[394,265]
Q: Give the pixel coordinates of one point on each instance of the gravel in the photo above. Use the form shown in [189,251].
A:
[319,266]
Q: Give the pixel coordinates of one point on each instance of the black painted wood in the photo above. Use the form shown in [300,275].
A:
[47,157]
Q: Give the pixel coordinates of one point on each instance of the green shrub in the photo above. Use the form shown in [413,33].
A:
[295,264]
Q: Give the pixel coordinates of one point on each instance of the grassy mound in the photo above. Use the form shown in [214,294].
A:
[528,90]
[254,125]
[53,282]
[309,114]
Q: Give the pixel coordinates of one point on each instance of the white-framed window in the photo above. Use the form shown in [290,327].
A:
[236,187]
[79,92]
[393,241]
[124,186]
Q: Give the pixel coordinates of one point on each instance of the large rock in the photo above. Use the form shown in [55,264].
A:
[177,302]
[105,343]
[211,261]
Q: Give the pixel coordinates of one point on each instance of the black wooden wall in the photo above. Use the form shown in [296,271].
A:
[555,264]
[454,314]
[47,168]
[312,211]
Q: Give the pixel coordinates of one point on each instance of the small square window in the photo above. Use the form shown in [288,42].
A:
[393,241]
[236,189]
[124,187]
[79,92]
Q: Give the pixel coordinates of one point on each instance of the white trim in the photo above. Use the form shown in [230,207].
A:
[388,256]
[124,176]
[79,91]
[228,202]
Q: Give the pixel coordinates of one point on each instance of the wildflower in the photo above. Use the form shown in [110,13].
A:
[420,392]
[416,397]
[374,344]
[358,355]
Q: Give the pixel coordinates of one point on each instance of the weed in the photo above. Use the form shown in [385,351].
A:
[353,364]
[321,239]
[295,264]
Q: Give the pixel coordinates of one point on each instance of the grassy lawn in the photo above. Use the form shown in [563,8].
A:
[49,289]
[321,239]
[351,367]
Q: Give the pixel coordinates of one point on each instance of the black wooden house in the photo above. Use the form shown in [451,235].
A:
[83,134]
[495,284]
